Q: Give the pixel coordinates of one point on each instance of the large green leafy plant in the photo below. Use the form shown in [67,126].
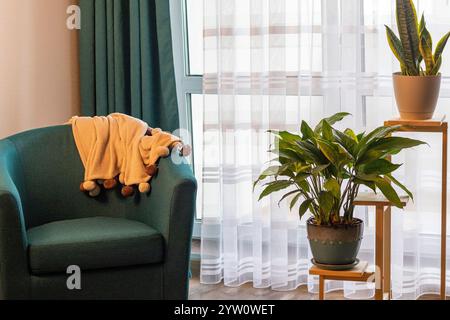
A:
[415,43]
[323,168]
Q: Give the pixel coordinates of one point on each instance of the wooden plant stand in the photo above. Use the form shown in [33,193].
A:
[437,126]
[382,240]
[358,273]
[382,274]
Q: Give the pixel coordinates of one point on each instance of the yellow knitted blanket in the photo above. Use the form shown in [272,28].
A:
[117,144]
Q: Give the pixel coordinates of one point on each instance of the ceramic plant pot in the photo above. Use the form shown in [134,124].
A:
[336,244]
[416,96]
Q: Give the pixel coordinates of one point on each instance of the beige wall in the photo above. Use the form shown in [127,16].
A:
[39,81]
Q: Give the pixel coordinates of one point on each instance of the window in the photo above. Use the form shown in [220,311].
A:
[187,31]
[369,60]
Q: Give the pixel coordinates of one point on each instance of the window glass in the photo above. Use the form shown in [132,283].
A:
[194,12]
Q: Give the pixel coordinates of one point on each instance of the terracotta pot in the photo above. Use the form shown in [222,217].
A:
[335,244]
[416,96]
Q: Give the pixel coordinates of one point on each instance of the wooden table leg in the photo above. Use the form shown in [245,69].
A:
[321,288]
[387,253]
[444,214]
[379,248]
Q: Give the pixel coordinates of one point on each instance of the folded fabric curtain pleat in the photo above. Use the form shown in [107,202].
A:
[126,61]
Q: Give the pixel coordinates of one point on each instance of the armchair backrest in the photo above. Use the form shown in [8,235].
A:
[51,173]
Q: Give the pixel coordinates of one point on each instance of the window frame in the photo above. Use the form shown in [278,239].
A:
[186,84]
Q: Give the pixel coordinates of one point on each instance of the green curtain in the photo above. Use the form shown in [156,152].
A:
[126,61]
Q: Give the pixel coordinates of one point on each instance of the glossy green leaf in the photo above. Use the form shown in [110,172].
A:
[332,120]
[302,184]
[349,132]
[311,152]
[326,201]
[288,153]
[388,191]
[361,135]
[370,156]
[440,47]
[347,141]
[294,200]
[319,168]
[344,154]
[333,186]
[370,184]
[328,150]
[396,46]
[367,177]
[394,143]
[436,67]
[426,50]
[327,131]
[304,207]
[380,166]
[274,186]
[289,137]
[306,131]
[375,134]
[270,171]
[400,185]
[300,168]
[290,193]
[408,25]
[285,170]
[422,24]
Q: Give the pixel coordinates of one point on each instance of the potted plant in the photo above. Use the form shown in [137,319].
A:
[322,169]
[416,88]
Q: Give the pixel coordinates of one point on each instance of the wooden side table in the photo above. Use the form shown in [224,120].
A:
[382,240]
[358,273]
[437,126]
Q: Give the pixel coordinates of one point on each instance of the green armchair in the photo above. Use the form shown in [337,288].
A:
[134,248]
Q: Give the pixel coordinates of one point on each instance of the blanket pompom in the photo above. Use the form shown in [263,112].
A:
[95,192]
[127,191]
[89,185]
[144,187]
[109,184]
[185,150]
[151,170]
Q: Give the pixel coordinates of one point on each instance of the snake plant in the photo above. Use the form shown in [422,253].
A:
[323,168]
[415,43]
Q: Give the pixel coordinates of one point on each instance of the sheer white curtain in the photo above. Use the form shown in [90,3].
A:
[270,64]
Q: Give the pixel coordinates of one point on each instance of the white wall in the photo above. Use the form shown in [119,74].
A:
[39,79]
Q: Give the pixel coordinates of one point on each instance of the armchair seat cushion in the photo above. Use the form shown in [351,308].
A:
[92,243]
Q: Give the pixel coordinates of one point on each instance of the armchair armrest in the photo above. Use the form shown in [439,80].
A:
[172,208]
[14,275]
